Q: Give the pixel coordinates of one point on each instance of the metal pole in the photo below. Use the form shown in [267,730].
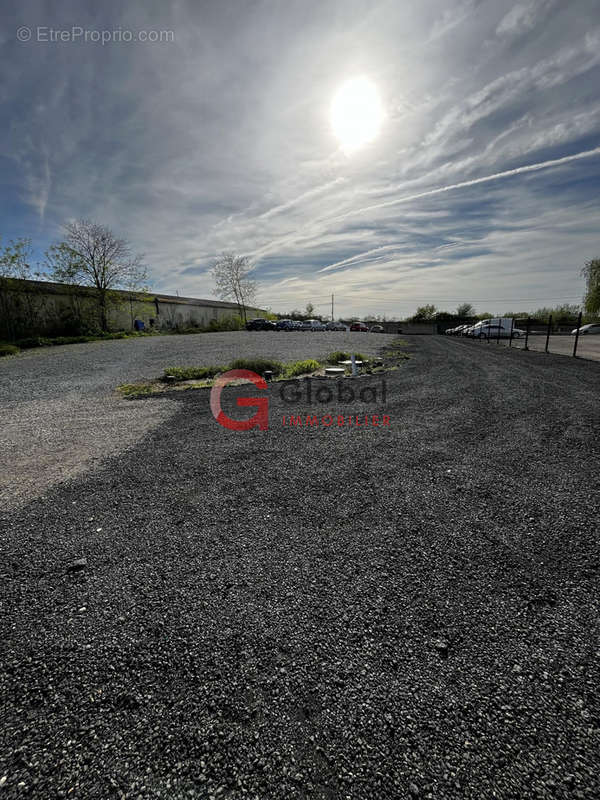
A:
[512,325]
[498,335]
[548,331]
[577,335]
[527,334]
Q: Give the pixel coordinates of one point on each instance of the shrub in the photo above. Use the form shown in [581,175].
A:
[226,324]
[192,373]
[32,341]
[59,340]
[8,349]
[341,355]
[301,367]
[337,355]
[258,365]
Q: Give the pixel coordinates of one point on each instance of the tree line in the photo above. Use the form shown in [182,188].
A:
[565,313]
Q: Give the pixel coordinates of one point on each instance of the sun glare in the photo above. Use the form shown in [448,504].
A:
[356,113]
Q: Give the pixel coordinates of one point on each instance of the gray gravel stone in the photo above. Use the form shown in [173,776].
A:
[338,557]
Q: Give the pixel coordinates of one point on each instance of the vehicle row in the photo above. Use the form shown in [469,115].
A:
[492,329]
[488,329]
[261,324]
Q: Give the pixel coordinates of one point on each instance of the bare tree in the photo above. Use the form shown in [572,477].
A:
[230,274]
[91,255]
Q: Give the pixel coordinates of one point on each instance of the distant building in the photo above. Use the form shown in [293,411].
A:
[39,308]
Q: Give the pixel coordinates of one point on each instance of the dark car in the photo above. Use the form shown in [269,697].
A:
[260,324]
[359,326]
[284,325]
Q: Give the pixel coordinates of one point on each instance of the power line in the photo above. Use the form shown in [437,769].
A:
[375,298]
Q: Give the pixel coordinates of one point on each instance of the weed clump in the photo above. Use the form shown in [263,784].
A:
[258,365]
[192,373]
[8,349]
[301,367]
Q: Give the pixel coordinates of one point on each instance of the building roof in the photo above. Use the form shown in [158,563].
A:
[51,287]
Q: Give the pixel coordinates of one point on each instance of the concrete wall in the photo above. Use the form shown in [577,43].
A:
[38,308]
[409,328]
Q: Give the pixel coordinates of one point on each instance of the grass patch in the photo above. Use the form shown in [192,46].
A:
[135,389]
[56,341]
[301,367]
[341,355]
[203,376]
[336,356]
[258,365]
[192,373]
[8,349]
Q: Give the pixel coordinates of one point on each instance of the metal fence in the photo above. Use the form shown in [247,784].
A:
[545,336]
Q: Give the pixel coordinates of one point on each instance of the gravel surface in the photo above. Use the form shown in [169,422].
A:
[60,413]
[588,347]
[408,611]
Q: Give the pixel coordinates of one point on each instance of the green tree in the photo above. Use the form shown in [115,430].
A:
[309,309]
[465,310]
[591,273]
[91,255]
[424,313]
[15,258]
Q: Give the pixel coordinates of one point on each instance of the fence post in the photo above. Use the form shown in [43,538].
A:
[577,334]
[527,334]
[498,334]
[548,332]
[512,325]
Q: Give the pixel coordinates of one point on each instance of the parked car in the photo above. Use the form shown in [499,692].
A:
[336,326]
[591,327]
[284,325]
[359,326]
[460,329]
[260,324]
[317,325]
[306,325]
[296,325]
[496,331]
[376,329]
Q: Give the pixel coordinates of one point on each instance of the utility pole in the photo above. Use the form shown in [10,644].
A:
[332,308]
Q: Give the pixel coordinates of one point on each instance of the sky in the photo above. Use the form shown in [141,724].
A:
[214,134]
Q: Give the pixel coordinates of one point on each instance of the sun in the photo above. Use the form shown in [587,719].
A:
[356,113]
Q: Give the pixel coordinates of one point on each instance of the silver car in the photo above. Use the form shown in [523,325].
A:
[316,325]
[591,327]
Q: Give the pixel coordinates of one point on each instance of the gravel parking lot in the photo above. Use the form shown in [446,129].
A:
[332,612]
[60,413]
